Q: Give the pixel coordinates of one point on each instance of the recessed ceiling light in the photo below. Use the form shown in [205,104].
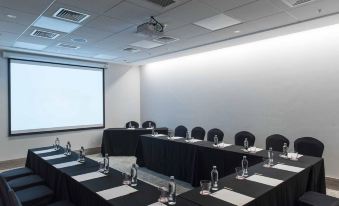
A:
[146,44]
[217,22]
[26,45]
[237,31]
[105,56]
[11,16]
[56,24]
[79,40]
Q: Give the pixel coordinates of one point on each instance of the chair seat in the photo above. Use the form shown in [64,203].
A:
[25,182]
[317,199]
[35,196]
[61,203]
[2,202]
[15,173]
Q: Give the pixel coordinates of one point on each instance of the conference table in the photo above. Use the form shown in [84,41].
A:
[123,141]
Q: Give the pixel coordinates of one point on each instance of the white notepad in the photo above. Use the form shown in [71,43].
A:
[193,140]
[252,150]
[175,138]
[66,164]
[131,128]
[116,192]
[264,180]
[232,197]
[44,151]
[88,176]
[157,204]
[222,145]
[149,128]
[288,168]
[160,135]
[54,157]
[289,155]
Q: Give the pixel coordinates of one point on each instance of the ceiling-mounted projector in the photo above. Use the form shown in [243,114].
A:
[151,28]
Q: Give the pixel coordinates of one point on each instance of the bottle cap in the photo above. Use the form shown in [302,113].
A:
[172,177]
[214,167]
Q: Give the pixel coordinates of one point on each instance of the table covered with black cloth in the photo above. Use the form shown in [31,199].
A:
[85,193]
[122,141]
[190,162]
[294,185]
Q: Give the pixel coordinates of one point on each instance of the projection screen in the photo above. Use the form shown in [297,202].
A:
[49,97]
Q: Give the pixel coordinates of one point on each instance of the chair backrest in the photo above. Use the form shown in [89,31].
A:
[276,141]
[180,131]
[133,124]
[240,137]
[309,146]
[198,133]
[13,199]
[4,189]
[146,124]
[212,132]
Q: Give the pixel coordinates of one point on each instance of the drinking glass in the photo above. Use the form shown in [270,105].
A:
[266,162]
[239,173]
[205,187]
[163,195]
[101,166]
[126,179]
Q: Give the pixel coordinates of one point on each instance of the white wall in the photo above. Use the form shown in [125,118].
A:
[287,85]
[122,99]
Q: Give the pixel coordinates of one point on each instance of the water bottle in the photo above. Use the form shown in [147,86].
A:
[134,175]
[188,136]
[214,178]
[216,140]
[129,125]
[69,151]
[270,156]
[246,144]
[285,150]
[106,164]
[244,165]
[153,132]
[149,125]
[171,191]
[82,155]
[57,144]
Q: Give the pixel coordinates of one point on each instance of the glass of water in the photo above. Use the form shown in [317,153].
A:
[239,173]
[126,179]
[205,187]
[101,166]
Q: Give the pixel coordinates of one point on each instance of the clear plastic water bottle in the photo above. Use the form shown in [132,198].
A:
[153,131]
[150,125]
[82,154]
[244,165]
[270,157]
[69,151]
[106,164]
[129,125]
[246,144]
[171,191]
[188,135]
[57,144]
[214,178]
[134,175]
[285,150]
[216,140]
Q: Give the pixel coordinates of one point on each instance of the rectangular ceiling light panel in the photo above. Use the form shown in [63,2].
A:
[56,24]
[217,22]
[146,44]
[26,45]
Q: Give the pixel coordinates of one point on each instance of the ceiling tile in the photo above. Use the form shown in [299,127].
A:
[146,44]
[20,17]
[7,37]
[91,35]
[12,27]
[36,40]
[187,31]
[217,22]
[32,28]
[108,24]
[150,5]
[131,12]
[225,5]
[255,10]
[97,6]
[28,6]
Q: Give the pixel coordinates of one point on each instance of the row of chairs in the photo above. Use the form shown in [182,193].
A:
[21,187]
[304,145]
[135,124]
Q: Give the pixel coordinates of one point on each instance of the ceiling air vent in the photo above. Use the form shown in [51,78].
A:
[162,3]
[70,15]
[166,39]
[68,46]
[131,50]
[295,3]
[44,34]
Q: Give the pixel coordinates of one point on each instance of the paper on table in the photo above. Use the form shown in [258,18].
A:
[157,204]
[290,155]
[54,157]
[252,150]
[44,151]
[193,140]
[160,135]
[232,197]
[222,145]
[88,176]
[131,128]
[116,192]
[149,128]
[66,164]
[288,168]
[174,138]
[264,180]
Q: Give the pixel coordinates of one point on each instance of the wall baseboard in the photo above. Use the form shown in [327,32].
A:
[332,183]
[8,164]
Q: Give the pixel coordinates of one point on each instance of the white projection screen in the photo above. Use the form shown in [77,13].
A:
[49,97]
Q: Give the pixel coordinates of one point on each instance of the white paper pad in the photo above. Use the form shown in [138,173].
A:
[149,128]
[288,168]
[252,150]
[54,157]
[222,145]
[160,135]
[264,180]
[232,197]
[131,128]
[175,138]
[116,192]
[66,164]
[44,151]
[157,204]
[193,140]
[289,155]
[88,176]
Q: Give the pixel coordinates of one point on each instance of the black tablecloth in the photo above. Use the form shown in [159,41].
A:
[190,162]
[84,193]
[122,141]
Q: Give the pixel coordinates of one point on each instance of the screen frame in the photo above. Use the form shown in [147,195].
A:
[57,130]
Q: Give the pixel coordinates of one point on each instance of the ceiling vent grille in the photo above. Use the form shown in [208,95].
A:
[131,50]
[44,34]
[70,15]
[68,46]
[295,3]
[162,3]
[166,39]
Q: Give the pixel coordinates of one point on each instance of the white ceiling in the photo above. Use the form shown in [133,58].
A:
[112,24]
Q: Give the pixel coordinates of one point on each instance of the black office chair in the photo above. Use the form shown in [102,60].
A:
[25,182]
[180,131]
[36,195]
[148,123]
[240,137]
[309,146]
[4,189]
[317,199]
[15,173]
[133,124]
[276,141]
[212,132]
[198,133]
